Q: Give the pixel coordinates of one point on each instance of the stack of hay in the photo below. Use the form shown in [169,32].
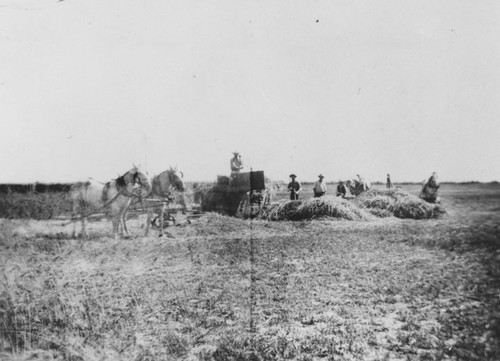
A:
[381,203]
[324,207]
[398,203]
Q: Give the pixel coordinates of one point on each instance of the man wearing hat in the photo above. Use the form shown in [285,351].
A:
[236,163]
[319,188]
[341,189]
[294,188]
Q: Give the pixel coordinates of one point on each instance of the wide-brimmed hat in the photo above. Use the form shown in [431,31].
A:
[292,176]
[321,176]
[236,153]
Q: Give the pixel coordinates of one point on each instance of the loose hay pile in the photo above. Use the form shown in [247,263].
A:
[324,207]
[380,203]
[397,203]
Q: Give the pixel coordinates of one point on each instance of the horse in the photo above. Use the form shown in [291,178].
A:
[115,197]
[164,186]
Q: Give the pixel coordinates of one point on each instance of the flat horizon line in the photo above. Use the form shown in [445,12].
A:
[304,182]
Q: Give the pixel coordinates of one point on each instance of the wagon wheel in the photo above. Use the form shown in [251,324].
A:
[156,222]
[250,205]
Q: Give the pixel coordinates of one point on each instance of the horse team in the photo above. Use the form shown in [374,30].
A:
[116,196]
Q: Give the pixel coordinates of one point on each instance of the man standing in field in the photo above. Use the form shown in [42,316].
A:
[388,184]
[294,188]
[319,188]
[236,164]
[430,188]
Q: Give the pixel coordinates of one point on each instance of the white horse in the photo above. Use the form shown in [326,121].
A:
[164,187]
[114,198]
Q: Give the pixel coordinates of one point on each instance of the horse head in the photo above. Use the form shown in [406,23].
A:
[128,178]
[175,176]
[132,178]
[143,182]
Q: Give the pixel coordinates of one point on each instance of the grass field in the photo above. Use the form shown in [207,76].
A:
[230,289]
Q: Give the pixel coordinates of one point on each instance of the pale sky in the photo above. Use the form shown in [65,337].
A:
[88,88]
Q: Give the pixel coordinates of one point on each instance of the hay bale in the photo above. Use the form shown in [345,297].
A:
[414,209]
[398,203]
[280,211]
[314,208]
[380,202]
[394,193]
[380,213]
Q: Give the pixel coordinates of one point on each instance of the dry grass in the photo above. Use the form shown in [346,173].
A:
[349,290]
[34,205]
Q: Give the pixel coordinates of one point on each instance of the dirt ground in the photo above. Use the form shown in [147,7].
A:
[222,288]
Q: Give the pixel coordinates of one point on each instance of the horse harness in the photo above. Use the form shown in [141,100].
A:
[121,183]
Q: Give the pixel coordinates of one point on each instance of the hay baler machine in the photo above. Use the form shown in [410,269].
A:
[240,195]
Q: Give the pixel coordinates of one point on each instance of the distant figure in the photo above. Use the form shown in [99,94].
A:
[341,189]
[236,163]
[432,181]
[430,189]
[294,188]
[319,188]
[388,184]
[361,185]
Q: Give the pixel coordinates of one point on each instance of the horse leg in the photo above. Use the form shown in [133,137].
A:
[75,221]
[121,231]
[161,219]
[148,220]
[84,227]
[77,217]
[182,201]
[116,228]
[115,220]
[123,218]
